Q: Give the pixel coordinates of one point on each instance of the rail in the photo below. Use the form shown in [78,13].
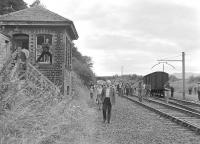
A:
[183,104]
[185,118]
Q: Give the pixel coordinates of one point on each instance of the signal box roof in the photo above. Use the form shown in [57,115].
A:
[37,15]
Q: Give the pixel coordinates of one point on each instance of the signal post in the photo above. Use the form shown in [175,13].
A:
[183,70]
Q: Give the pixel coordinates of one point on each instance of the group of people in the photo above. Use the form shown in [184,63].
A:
[105,94]
[105,98]
[125,88]
[194,90]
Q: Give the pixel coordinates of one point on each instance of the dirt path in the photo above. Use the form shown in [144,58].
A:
[92,123]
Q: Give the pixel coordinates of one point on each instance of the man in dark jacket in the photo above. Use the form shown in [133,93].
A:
[198,90]
[45,51]
[108,99]
[172,91]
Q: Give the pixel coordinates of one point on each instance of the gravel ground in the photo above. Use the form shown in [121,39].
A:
[132,124]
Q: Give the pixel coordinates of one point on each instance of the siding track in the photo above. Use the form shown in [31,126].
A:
[179,115]
[188,105]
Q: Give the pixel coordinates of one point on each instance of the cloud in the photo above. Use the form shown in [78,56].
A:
[133,33]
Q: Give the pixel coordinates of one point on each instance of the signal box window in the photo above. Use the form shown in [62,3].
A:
[43,49]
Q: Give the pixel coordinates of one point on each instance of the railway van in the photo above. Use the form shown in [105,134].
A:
[156,82]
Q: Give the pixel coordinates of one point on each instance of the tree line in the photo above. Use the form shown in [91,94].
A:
[82,66]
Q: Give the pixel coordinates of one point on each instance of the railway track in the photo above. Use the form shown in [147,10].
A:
[188,105]
[181,116]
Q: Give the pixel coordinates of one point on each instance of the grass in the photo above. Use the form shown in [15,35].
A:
[32,118]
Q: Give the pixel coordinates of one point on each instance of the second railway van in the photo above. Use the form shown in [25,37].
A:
[156,82]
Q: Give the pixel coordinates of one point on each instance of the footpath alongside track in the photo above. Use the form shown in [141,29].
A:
[132,124]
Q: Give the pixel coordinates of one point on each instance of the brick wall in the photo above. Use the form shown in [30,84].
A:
[58,73]
[4,49]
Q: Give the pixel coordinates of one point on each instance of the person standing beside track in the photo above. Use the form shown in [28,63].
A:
[198,91]
[120,89]
[172,91]
[108,99]
[147,90]
[167,90]
[140,91]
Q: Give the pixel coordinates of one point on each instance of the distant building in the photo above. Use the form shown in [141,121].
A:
[29,28]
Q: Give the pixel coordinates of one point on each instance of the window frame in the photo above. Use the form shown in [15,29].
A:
[45,36]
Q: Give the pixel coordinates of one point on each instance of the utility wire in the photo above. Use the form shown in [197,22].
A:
[170,57]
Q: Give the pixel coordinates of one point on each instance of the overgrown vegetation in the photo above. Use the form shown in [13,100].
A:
[7,6]
[29,116]
[194,79]
[173,78]
[82,66]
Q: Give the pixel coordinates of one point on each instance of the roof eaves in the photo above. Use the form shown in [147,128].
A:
[58,15]
[53,23]
[74,31]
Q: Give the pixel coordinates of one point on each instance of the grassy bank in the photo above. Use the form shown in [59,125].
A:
[43,120]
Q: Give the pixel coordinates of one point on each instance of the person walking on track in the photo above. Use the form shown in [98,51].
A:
[99,90]
[91,92]
[108,99]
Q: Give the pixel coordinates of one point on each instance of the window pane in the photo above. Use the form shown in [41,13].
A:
[49,37]
[40,40]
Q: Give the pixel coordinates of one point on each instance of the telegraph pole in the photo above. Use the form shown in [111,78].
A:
[183,73]
[183,70]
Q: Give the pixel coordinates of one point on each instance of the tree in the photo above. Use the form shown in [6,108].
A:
[194,79]
[83,71]
[82,65]
[173,78]
[35,3]
[88,61]
[7,6]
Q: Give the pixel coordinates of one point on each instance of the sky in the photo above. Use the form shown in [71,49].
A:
[129,36]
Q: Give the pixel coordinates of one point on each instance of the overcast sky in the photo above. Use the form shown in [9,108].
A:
[134,33]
